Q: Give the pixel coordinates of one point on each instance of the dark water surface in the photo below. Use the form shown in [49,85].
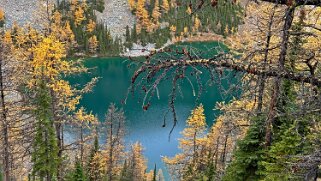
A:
[146,126]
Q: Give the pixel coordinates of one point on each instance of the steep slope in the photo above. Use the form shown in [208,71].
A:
[116,16]
[18,10]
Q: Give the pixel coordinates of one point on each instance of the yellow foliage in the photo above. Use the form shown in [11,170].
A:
[82,116]
[142,14]
[7,39]
[253,36]
[47,58]
[226,30]
[189,10]
[165,5]
[32,35]
[62,87]
[68,36]
[71,103]
[97,166]
[79,15]
[68,30]
[197,24]
[91,26]
[192,144]
[56,17]
[84,5]
[132,4]
[73,5]
[173,3]
[93,44]
[197,119]
[19,36]
[173,28]
[2,15]
[185,31]
[156,13]
[48,64]
[62,30]
[138,162]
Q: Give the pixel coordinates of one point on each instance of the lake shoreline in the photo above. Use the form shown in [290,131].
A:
[143,51]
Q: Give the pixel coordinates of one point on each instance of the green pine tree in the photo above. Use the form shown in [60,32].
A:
[275,164]
[125,174]
[79,172]
[128,40]
[248,154]
[134,36]
[0,174]
[155,173]
[93,167]
[45,150]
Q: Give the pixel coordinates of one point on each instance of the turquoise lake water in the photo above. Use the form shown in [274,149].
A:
[146,126]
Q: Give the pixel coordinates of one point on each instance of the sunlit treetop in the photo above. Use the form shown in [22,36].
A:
[2,16]
[7,39]
[91,26]
[79,15]
[82,116]
[165,5]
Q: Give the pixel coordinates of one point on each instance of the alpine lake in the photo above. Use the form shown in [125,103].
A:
[147,126]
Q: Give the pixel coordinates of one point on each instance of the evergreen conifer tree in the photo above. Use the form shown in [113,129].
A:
[79,174]
[155,173]
[248,154]
[45,150]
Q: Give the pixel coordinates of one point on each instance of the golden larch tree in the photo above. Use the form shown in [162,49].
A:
[142,14]
[137,162]
[79,15]
[197,24]
[93,44]
[165,6]
[91,26]
[114,151]
[186,165]
[156,12]
[132,4]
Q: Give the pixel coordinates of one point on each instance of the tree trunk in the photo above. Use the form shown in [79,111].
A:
[289,14]
[110,161]
[81,144]
[272,111]
[58,128]
[266,53]
[5,128]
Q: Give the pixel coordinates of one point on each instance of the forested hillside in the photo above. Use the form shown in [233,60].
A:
[159,21]
[270,129]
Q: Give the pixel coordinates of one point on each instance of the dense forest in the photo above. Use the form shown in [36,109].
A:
[270,131]
[159,21]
